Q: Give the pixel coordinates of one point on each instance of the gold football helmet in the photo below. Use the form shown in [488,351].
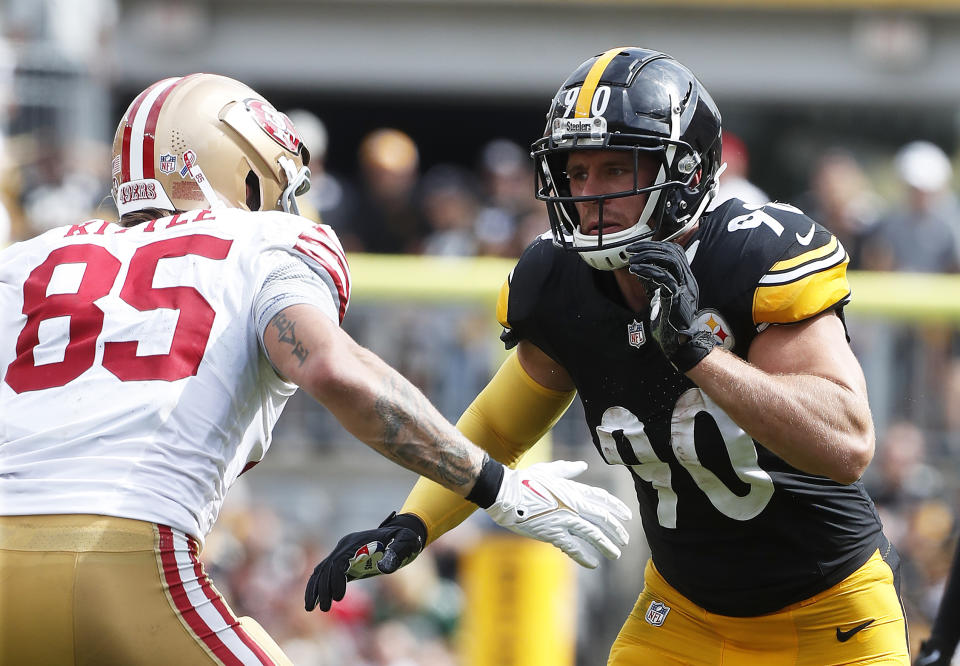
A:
[206,141]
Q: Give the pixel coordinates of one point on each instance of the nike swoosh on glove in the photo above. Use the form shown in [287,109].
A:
[394,544]
[674,294]
[542,502]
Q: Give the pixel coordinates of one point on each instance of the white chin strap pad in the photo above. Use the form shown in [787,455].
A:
[295,178]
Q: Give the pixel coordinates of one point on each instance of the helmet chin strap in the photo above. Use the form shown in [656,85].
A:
[295,180]
[695,217]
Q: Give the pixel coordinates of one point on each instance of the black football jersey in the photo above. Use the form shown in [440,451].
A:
[730,525]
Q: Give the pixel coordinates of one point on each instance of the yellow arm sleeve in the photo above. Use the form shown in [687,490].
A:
[508,417]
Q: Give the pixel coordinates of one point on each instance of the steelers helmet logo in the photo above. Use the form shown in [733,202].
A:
[711,320]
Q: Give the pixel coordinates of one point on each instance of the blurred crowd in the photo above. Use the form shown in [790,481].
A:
[261,560]
[900,215]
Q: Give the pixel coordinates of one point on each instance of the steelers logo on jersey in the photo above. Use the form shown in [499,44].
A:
[709,319]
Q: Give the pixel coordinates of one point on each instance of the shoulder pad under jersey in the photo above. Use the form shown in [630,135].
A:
[788,267]
[520,291]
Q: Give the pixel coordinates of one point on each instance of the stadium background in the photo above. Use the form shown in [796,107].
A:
[795,80]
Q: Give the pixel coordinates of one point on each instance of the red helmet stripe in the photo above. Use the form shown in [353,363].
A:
[132,158]
[128,131]
[150,129]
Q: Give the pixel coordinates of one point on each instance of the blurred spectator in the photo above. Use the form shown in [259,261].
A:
[532,224]
[506,172]
[6,222]
[450,209]
[452,347]
[901,477]
[79,31]
[388,216]
[328,200]
[927,549]
[908,491]
[734,183]
[951,408]
[61,181]
[842,199]
[9,175]
[921,234]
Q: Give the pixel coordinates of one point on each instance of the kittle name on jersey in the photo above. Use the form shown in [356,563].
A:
[100,227]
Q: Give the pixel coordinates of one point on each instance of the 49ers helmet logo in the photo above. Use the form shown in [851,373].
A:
[274,123]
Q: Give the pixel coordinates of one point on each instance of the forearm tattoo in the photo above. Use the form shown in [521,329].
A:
[412,440]
[286,330]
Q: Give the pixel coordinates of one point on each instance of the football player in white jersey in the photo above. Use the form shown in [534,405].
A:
[144,364]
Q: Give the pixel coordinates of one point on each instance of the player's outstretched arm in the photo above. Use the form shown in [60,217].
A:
[520,404]
[382,409]
[540,501]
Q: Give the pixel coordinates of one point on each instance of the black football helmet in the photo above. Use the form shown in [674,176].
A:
[640,101]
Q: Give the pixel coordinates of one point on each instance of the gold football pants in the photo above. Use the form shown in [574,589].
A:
[858,621]
[79,589]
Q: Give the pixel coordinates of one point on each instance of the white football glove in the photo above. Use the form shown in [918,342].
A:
[581,520]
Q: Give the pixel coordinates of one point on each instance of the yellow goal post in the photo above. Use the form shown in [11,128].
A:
[914,297]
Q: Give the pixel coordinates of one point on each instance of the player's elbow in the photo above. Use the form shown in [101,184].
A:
[329,378]
[855,440]
[858,450]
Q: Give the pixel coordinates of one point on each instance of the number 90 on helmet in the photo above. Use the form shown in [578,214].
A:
[206,141]
[646,103]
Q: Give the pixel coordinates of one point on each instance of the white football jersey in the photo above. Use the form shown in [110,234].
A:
[132,378]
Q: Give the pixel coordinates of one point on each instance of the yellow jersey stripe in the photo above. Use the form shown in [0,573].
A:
[502,300]
[807,268]
[810,255]
[801,299]
[589,87]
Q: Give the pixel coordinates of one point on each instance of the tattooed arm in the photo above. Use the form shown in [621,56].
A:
[382,409]
[370,399]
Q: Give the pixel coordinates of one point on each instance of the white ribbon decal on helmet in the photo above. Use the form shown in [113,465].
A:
[190,164]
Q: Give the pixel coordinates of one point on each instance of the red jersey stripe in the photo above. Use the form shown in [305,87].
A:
[342,290]
[171,574]
[333,244]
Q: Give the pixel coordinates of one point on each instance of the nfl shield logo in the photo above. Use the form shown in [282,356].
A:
[168,163]
[657,613]
[635,334]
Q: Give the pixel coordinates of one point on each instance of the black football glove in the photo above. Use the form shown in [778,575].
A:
[663,270]
[396,543]
[933,654]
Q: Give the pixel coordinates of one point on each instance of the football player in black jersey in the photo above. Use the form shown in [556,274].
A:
[709,352]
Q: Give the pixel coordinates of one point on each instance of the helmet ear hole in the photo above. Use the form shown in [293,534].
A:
[253,191]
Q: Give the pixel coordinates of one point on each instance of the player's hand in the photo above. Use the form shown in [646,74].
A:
[663,270]
[932,654]
[394,544]
[542,502]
